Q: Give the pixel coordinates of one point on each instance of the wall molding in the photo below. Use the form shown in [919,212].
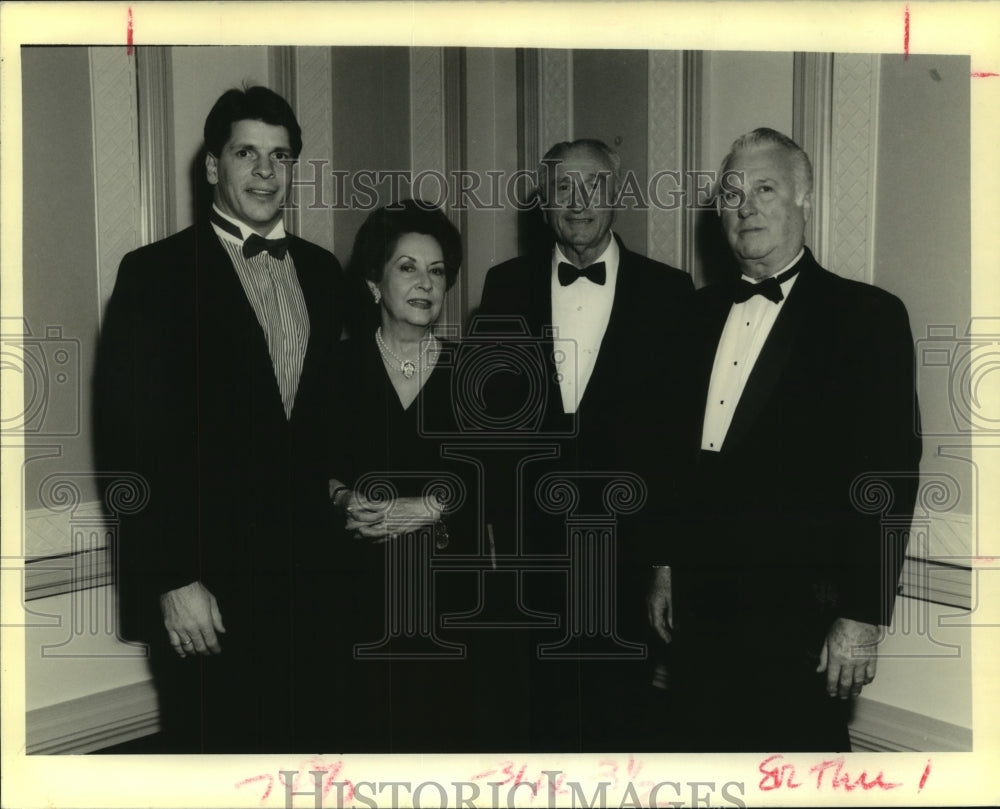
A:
[667,101]
[427,112]
[117,175]
[812,129]
[555,97]
[282,63]
[313,78]
[48,533]
[74,572]
[854,148]
[937,566]
[437,142]
[154,81]
[529,149]
[455,138]
[693,124]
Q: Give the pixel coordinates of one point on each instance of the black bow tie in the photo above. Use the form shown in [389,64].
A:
[568,273]
[256,243]
[770,288]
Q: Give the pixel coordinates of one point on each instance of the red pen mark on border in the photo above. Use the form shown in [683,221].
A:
[128,32]
[263,777]
[982,74]
[906,33]
[923,778]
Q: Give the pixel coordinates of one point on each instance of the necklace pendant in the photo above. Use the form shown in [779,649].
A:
[408,368]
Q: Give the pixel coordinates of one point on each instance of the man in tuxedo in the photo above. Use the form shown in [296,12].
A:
[615,316]
[211,371]
[802,417]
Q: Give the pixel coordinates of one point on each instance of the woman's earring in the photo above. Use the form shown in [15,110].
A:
[376,292]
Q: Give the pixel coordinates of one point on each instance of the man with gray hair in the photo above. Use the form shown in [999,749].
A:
[622,312]
[802,404]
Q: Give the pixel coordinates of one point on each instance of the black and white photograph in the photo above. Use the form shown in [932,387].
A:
[516,404]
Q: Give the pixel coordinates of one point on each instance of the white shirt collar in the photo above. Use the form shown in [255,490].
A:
[277,232]
[788,266]
[610,257]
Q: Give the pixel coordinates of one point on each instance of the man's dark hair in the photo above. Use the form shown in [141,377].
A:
[249,104]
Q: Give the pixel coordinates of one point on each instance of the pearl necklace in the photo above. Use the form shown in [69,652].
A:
[406,367]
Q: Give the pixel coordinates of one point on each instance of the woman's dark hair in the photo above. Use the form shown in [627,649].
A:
[377,238]
[249,104]
[375,243]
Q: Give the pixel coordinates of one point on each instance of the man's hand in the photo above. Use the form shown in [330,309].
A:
[191,616]
[660,603]
[849,657]
[383,521]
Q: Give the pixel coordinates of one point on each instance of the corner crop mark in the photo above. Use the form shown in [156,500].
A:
[906,33]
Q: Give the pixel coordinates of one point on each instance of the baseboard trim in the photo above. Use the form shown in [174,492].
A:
[94,722]
[877,727]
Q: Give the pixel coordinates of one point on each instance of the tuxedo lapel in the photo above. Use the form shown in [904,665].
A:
[615,334]
[540,295]
[226,313]
[774,355]
[539,313]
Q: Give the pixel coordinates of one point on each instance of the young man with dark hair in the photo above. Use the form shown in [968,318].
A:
[210,385]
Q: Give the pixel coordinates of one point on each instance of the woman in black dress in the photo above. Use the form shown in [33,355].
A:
[404,506]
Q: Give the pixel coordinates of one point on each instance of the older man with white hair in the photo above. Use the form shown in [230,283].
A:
[802,404]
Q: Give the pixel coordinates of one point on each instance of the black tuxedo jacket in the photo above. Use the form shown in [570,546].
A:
[594,705]
[802,509]
[186,396]
[636,362]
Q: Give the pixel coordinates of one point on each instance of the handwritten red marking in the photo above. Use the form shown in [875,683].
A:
[779,773]
[923,778]
[542,787]
[982,74]
[906,33]
[128,38]
[777,776]
[264,777]
[508,770]
[842,780]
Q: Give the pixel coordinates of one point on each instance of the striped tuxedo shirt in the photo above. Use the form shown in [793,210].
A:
[272,287]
